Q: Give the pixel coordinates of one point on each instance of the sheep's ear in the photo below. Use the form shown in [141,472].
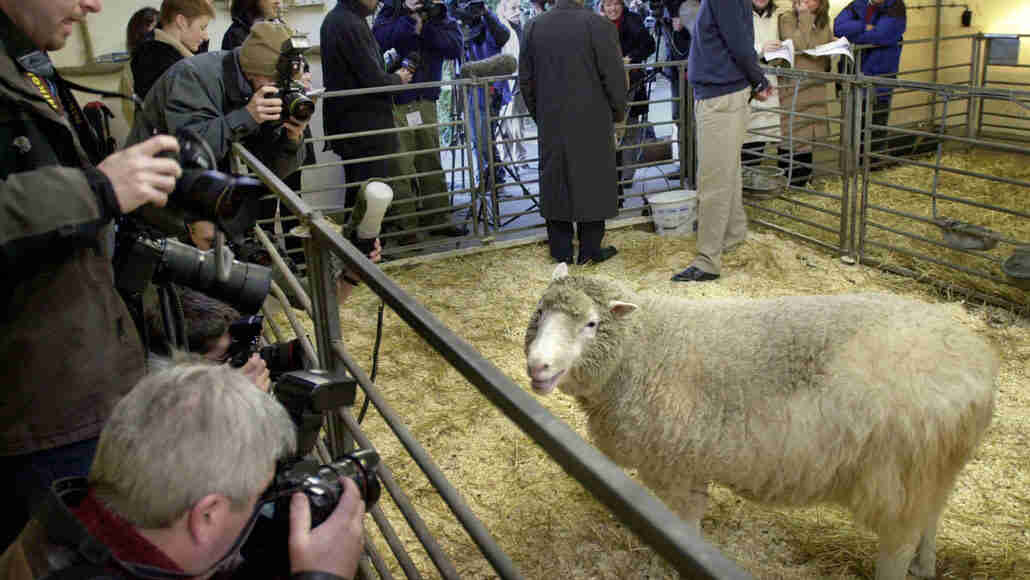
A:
[560,271]
[620,309]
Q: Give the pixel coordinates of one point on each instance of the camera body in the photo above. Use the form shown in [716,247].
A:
[321,483]
[296,103]
[394,62]
[244,337]
[430,10]
[470,11]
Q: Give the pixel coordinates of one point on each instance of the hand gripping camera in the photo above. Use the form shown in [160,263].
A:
[291,63]
[281,357]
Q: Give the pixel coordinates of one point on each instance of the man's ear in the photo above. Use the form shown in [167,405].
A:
[182,22]
[204,520]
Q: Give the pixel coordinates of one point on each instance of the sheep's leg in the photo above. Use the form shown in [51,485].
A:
[925,563]
[896,550]
[690,502]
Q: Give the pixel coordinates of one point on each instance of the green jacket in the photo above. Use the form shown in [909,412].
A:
[208,93]
[68,346]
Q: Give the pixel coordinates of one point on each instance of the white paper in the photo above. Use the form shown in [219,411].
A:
[839,46]
[786,52]
[414,118]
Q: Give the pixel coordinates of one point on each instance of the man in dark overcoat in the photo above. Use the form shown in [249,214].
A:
[571,76]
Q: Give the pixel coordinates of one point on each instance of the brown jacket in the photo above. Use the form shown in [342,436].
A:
[811,95]
[68,346]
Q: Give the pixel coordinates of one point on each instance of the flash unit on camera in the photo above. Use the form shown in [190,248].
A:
[316,390]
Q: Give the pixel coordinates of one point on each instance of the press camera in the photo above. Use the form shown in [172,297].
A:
[296,102]
[245,336]
[428,9]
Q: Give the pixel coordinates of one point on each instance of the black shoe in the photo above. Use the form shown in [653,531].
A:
[693,274]
[451,231]
[601,255]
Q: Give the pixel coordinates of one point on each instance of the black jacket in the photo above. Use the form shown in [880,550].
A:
[352,59]
[237,33]
[638,44]
[150,60]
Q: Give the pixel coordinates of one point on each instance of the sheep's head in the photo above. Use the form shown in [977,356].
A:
[573,332]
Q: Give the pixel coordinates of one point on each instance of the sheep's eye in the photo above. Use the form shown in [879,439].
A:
[592,324]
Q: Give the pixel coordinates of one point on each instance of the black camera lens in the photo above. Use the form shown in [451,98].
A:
[298,105]
[246,287]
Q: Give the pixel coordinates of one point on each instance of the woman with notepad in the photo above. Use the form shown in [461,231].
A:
[807,26]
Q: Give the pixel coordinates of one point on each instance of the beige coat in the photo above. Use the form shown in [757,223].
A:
[766,122]
[811,96]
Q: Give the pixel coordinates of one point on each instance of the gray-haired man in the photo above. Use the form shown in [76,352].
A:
[175,488]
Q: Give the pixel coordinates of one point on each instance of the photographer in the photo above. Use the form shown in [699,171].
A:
[484,37]
[228,96]
[677,42]
[207,323]
[67,342]
[352,59]
[421,27]
[153,517]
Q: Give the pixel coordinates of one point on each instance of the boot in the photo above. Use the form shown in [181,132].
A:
[801,174]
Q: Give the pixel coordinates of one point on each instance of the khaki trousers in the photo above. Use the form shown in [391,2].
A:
[432,193]
[722,222]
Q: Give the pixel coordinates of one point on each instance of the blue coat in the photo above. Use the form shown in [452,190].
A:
[722,57]
[489,43]
[888,29]
[440,40]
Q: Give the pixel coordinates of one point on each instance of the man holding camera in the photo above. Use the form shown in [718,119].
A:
[67,341]
[229,96]
[421,27]
[352,59]
[144,514]
[484,36]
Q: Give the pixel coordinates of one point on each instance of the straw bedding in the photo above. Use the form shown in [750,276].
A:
[551,526]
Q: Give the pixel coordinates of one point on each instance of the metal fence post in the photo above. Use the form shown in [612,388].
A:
[985,51]
[681,127]
[325,317]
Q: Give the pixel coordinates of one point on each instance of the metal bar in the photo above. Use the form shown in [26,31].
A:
[985,49]
[271,324]
[377,561]
[291,280]
[394,542]
[473,526]
[433,549]
[298,328]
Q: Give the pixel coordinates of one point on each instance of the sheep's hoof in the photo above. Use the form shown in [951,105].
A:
[920,571]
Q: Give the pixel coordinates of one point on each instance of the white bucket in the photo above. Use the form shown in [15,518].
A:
[674,212]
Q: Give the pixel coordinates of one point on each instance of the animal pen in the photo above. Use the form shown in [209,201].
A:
[478,480]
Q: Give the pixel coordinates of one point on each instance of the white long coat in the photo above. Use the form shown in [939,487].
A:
[766,29]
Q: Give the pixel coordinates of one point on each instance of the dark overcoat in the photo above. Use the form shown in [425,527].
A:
[572,78]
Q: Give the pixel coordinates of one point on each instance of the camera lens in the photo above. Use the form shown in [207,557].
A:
[246,288]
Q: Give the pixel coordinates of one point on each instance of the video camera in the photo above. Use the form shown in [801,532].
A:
[394,62]
[470,11]
[296,102]
[428,9]
[244,336]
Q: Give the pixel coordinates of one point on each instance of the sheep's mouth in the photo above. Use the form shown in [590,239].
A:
[545,386]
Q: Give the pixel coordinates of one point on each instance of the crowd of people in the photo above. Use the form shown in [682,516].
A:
[99,443]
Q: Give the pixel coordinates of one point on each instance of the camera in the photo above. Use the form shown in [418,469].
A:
[244,336]
[428,9]
[141,259]
[321,483]
[470,11]
[205,193]
[291,63]
[394,62]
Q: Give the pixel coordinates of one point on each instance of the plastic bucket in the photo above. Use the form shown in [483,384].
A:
[674,212]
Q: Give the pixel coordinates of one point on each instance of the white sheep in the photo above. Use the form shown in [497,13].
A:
[869,401]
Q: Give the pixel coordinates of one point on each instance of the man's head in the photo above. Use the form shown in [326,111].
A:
[260,52]
[207,324]
[48,23]
[187,20]
[185,456]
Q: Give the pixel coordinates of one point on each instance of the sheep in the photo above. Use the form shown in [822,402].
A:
[869,401]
